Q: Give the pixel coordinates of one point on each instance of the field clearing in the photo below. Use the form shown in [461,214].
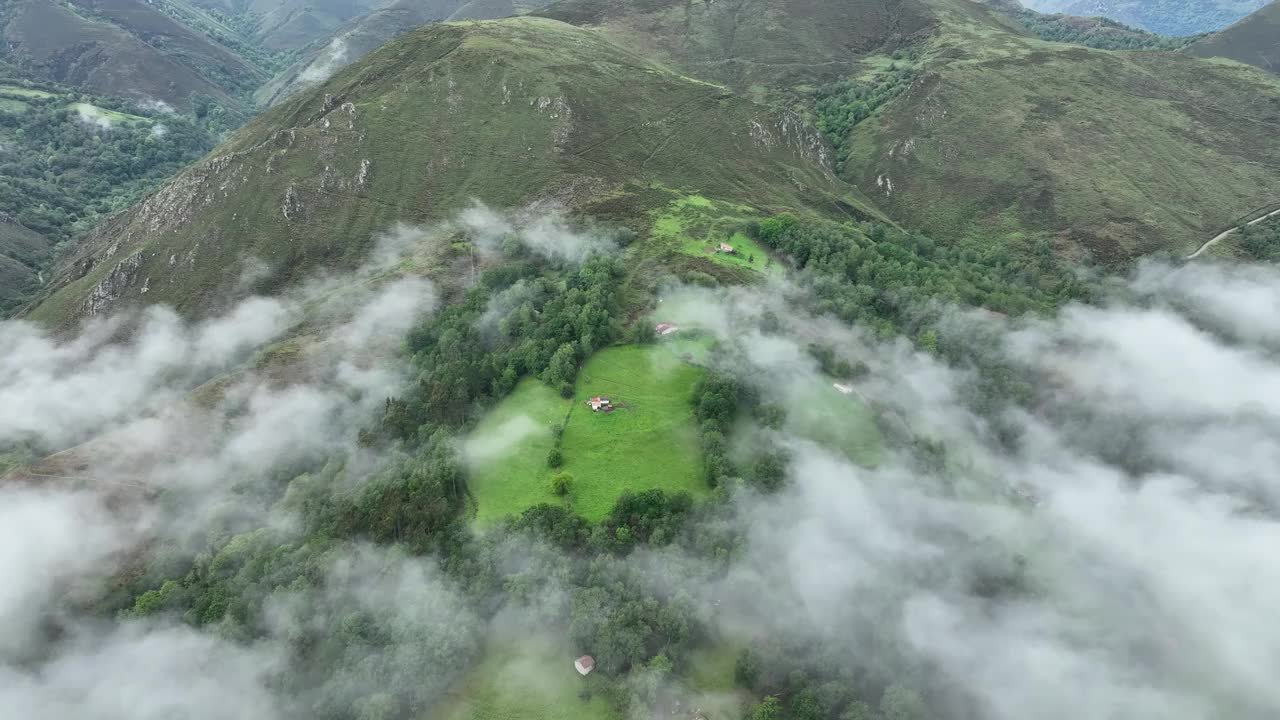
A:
[649,442]
[711,669]
[817,411]
[90,111]
[690,346]
[10,105]
[21,92]
[507,452]
[695,226]
[532,680]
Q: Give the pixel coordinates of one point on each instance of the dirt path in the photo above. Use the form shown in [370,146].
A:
[1229,233]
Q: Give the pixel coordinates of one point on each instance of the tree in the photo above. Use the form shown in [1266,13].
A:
[563,366]
[767,709]
[554,458]
[901,703]
[562,483]
[746,670]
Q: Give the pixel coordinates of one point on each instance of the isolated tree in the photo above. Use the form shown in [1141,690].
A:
[562,483]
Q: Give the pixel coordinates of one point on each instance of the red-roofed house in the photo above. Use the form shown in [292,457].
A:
[666,328]
[599,403]
[726,248]
[584,665]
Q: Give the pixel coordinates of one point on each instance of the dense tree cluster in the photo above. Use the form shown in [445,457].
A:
[60,172]
[890,280]
[515,323]
[842,105]
[1262,241]
[1097,32]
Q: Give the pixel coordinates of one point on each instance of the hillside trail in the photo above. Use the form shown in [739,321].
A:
[1228,233]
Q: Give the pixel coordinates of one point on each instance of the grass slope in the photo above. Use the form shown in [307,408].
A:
[123,48]
[1254,40]
[763,48]
[366,31]
[22,253]
[650,442]
[695,226]
[819,412]
[509,112]
[1116,154]
[1001,134]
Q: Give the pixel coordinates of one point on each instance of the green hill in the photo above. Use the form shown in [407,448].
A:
[365,33]
[1254,40]
[1114,154]
[507,112]
[125,48]
[959,122]
[949,115]
[22,253]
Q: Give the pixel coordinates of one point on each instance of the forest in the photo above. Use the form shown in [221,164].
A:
[583,579]
[70,159]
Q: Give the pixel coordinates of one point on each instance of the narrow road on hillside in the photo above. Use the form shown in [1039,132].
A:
[1232,231]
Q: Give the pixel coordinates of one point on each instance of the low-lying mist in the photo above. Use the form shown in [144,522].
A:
[1094,542]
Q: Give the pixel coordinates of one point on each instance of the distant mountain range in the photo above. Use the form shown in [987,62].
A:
[1167,17]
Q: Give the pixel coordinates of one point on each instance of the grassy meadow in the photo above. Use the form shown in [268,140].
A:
[695,226]
[648,442]
[818,412]
[507,452]
[530,680]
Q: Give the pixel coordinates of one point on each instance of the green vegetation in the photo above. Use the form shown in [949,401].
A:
[620,127]
[987,146]
[649,441]
[1096,32]
[24,92]
[697,227]
[1261,241]
[821,413]
[99,47]
[842,105]
[66,162]
[691,345]
[1254,40]
[530,680]
[514,476]
[887,279]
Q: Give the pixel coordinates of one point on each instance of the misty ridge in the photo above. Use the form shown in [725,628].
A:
[1092,540]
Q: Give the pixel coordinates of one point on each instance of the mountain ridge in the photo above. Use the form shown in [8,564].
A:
[445,115]
[1254,40]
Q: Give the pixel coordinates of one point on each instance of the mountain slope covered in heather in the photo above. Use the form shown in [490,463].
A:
[1254,40]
